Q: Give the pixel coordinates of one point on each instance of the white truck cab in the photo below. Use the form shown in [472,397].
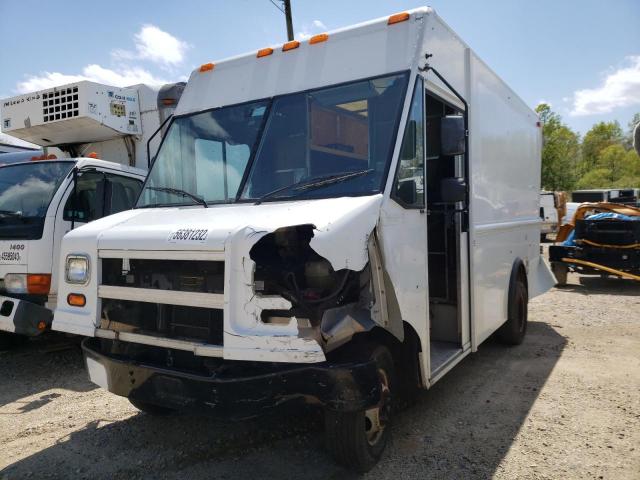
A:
[44,197]
[338,221]
[40,201]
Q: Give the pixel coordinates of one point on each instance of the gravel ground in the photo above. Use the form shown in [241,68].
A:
[565,404]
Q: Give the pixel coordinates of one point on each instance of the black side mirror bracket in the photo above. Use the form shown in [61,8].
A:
[453,190]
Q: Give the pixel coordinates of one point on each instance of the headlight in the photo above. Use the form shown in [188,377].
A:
[77,269]
[15,282]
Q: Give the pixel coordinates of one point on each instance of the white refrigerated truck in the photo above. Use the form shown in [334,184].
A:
[338,221]
[43,197]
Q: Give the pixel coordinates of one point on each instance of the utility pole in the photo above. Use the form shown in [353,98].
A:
[287,14]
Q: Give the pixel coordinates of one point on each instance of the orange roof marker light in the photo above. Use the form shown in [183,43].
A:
[290,45]
[93,155]
[321,37]
[264,52]
[398,17]
[206,67]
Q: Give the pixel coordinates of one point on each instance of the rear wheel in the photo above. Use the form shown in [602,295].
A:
[150,408]
[560,271]
[515,328]
[357,439]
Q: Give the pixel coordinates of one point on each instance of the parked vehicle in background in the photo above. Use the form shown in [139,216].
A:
[39,202]
[626,196]
[600,239]
[341,235]
[552,211]
[44,196]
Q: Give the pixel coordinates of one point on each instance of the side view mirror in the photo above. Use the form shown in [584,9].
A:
[453,190]
[407,192]
[409,142]
[452,135]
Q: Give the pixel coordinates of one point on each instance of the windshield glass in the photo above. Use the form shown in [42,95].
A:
[26,189]
[248,151]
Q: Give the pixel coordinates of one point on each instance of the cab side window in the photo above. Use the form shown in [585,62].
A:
[408,188]
[99,194]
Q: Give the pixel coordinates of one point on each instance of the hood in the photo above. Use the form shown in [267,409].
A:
[341,227]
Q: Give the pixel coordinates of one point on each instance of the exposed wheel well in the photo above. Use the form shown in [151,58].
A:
[405,353]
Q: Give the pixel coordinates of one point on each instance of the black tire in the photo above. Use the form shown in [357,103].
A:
[150,408]
[515,328]
[11,340]
[560,271]
[350,436]
[543,238]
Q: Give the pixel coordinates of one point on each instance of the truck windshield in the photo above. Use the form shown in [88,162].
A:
[27,188]
[257,150]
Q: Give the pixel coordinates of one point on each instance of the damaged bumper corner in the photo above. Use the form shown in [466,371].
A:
[237,388]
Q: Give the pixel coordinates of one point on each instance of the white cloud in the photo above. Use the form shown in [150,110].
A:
[544,101]
[620,88]
[308,30]
[156,46]
[319,24]
[96,73]
[151,44]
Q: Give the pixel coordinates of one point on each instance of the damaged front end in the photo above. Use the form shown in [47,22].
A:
[327,305]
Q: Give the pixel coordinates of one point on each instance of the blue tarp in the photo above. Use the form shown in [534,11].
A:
[570,241]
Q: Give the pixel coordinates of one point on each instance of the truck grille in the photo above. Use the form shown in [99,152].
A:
[170,321]
[203,276]
[178,299]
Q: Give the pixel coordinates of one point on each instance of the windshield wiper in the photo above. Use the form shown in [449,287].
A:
[184,193]
[313,183]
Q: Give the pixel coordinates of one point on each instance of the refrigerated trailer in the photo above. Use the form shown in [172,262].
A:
[338,221]
[50,192]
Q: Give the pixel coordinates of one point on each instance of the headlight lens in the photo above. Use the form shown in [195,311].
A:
[77,269]
[15,282]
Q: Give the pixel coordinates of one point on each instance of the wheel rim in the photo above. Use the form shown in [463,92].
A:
[376,418]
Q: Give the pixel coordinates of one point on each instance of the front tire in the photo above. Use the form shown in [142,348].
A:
[515,328]
[357,439]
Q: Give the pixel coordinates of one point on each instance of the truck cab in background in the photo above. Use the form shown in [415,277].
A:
[40,201]
[45,196]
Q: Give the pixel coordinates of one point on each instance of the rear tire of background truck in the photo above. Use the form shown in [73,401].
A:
[560,271]
[150,408]
[11,340]
[515,328]
[357,439]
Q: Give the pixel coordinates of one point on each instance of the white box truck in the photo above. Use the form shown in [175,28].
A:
[45,196]
[338,221]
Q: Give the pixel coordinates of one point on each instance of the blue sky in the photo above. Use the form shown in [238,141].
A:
[582,56]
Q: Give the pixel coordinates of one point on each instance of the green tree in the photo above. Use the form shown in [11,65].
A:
[630,170]
[612,158]
[560,151]
[596,178]
[601,136]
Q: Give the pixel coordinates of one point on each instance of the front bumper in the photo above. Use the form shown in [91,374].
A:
[237,389]
[23,317]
